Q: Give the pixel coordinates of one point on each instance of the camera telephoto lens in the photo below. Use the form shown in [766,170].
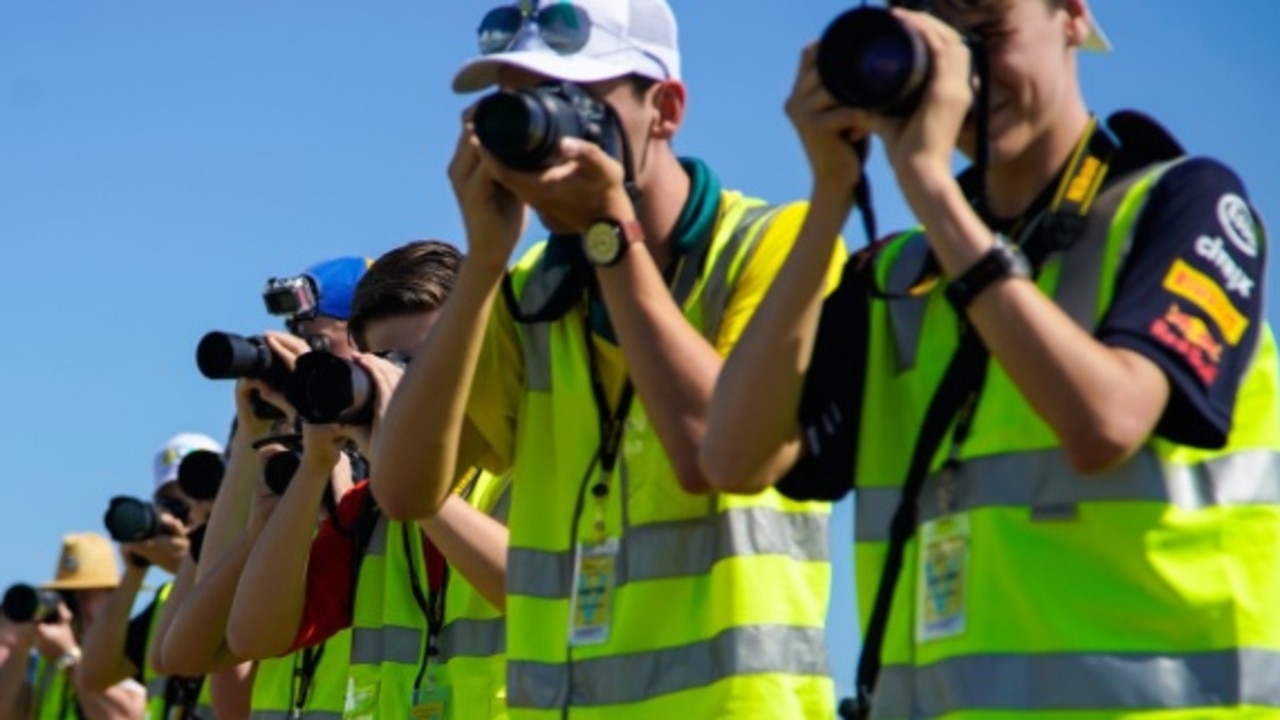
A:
[869,59]
[523,128]
[131,520]
[24,603]
[200,474]
[280,469]
[326,389]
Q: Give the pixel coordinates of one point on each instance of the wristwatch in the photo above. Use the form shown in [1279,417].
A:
[69,659]
[606,240]
[1004,259]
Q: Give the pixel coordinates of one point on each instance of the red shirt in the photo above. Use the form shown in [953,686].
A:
[330,587]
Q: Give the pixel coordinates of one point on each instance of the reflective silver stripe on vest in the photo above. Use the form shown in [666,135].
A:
[287,715]
[378,538]
[205,712]
[681,548]
[391,644]
[1079,681]
[1044,483]
[635,677]
[473,638]
[540,284]
[715,294]
[157,686]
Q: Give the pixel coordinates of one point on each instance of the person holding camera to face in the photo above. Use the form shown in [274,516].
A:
[426,634]
[38,677]
[316,306]
[159,534]
[586,373]
[1057,401]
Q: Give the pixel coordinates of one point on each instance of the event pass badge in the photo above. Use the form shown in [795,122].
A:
[594,579]
[944,566]
[432,703]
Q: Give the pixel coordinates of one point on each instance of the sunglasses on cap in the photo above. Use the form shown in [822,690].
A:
[565,28]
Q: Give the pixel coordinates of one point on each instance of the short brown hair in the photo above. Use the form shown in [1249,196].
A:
[414,278]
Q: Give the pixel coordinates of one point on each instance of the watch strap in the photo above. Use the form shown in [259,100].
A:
[1003,260]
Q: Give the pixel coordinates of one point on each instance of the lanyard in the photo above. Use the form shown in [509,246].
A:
[305,664]
[431,602]
[1055,228]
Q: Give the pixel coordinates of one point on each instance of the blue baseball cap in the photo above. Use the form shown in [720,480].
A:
[336,281]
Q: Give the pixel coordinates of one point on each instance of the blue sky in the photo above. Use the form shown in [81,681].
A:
[159,160]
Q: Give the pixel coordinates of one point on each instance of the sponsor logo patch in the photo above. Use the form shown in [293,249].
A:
[1214,250]
[1237,223]
[1190,284]
[1190,337]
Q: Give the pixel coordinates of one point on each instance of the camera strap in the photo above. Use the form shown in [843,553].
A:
[1053,229]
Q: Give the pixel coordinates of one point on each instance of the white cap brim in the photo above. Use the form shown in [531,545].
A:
[482,72]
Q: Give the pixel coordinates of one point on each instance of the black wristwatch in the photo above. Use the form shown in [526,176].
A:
[1004,259]
[606,240]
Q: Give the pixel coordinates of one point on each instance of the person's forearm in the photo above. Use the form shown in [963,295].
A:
[121,701]
[672,366]
[231,692]
[475,546]
[416,456]
[12,674]
[231,506]
[178,594]
[272,591]
[753,436]
[197,640]
[104,663]
[1101,402]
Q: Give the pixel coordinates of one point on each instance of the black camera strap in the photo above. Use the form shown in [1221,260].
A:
[961,383]
[305,664]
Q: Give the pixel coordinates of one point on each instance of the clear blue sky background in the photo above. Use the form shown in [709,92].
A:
[158,160]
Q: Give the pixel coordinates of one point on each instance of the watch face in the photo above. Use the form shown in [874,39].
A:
[601,243]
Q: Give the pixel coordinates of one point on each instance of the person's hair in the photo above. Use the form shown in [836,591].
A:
[413,278]
[640,84]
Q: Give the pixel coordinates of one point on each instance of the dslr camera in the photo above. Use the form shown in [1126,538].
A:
[871,60]
[227,356]
[325,388]
[24,603]
[129,519]
[523,128]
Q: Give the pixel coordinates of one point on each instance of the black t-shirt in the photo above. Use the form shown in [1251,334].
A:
[1189,298]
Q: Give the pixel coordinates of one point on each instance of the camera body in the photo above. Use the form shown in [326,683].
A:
[129,519]
[523,128]
[871,60]
[325,388]
[24,603]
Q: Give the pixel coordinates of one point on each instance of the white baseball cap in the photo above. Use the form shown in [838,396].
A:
[627,37]
[170,455]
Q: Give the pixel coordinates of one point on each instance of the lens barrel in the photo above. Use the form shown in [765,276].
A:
[280,469]
[325,388]
[24,603]
[523,128]
[131,520]
[200,474]
[871,60]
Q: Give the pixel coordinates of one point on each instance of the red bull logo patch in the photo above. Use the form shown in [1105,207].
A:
[1191,338]
[1194,286]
